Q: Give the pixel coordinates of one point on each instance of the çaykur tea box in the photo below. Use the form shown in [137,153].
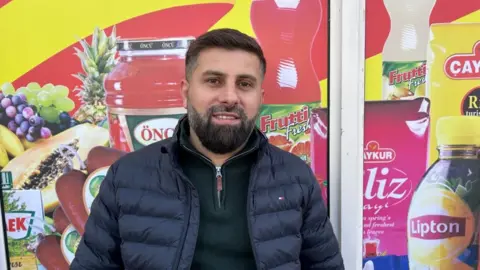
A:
[395,159]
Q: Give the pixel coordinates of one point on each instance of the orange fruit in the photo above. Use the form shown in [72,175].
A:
[279,140]
[302,149]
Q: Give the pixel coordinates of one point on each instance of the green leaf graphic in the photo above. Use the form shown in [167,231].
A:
[72,240]
[95,185]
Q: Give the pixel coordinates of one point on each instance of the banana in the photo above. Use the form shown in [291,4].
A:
[3,157]
[10,142]
[28,144]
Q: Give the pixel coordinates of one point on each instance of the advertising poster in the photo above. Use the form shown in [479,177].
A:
[81,85]
[422,135]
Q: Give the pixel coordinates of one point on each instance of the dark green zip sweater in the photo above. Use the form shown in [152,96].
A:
[223,239]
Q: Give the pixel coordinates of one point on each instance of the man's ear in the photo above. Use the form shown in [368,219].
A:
[184,85]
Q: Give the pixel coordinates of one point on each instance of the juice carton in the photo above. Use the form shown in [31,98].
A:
[404,55]
[24,221]
[453,77]
[444,212]
[319,148]
[395,159]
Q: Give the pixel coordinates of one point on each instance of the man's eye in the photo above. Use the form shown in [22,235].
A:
[213,81]
[245,84]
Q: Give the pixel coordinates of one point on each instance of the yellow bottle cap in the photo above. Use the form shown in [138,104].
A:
[458,130]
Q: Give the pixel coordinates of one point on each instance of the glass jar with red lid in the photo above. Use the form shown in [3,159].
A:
[143,92]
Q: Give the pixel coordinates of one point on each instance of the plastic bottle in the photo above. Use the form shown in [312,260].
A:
[286,30]
[444,211]
[405,50]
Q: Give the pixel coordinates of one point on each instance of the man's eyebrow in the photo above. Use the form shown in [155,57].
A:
[219,73]
[213,72]
[247,76]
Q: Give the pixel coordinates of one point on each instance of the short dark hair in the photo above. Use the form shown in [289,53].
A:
[225,38]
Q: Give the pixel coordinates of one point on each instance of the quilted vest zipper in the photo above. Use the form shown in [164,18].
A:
[249,217]
[190,188]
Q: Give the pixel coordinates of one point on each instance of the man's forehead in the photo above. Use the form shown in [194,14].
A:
[223,62]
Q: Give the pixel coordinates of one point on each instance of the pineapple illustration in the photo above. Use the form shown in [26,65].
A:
[97,60]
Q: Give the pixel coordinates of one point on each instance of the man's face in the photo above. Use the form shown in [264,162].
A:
[223,98]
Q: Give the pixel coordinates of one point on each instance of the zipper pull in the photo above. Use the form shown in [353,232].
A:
[219,186]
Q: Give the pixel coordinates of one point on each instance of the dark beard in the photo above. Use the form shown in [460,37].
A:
[220,139]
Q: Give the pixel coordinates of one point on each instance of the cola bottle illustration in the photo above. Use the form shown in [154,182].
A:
[286,30]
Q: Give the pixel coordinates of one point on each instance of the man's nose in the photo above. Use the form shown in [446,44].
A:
[229,94]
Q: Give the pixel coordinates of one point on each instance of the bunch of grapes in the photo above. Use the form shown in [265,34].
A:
[51,103]
[50,99]
[20,117]
[65,122]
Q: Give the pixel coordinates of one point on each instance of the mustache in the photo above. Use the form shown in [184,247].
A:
[230,109]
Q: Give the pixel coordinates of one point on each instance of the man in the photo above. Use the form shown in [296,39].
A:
[217,195]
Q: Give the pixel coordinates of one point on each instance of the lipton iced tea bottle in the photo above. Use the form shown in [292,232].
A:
[404,52]
[286,30]
[143,91]
[443,214]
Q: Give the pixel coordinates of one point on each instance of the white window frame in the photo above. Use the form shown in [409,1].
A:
[346,121]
